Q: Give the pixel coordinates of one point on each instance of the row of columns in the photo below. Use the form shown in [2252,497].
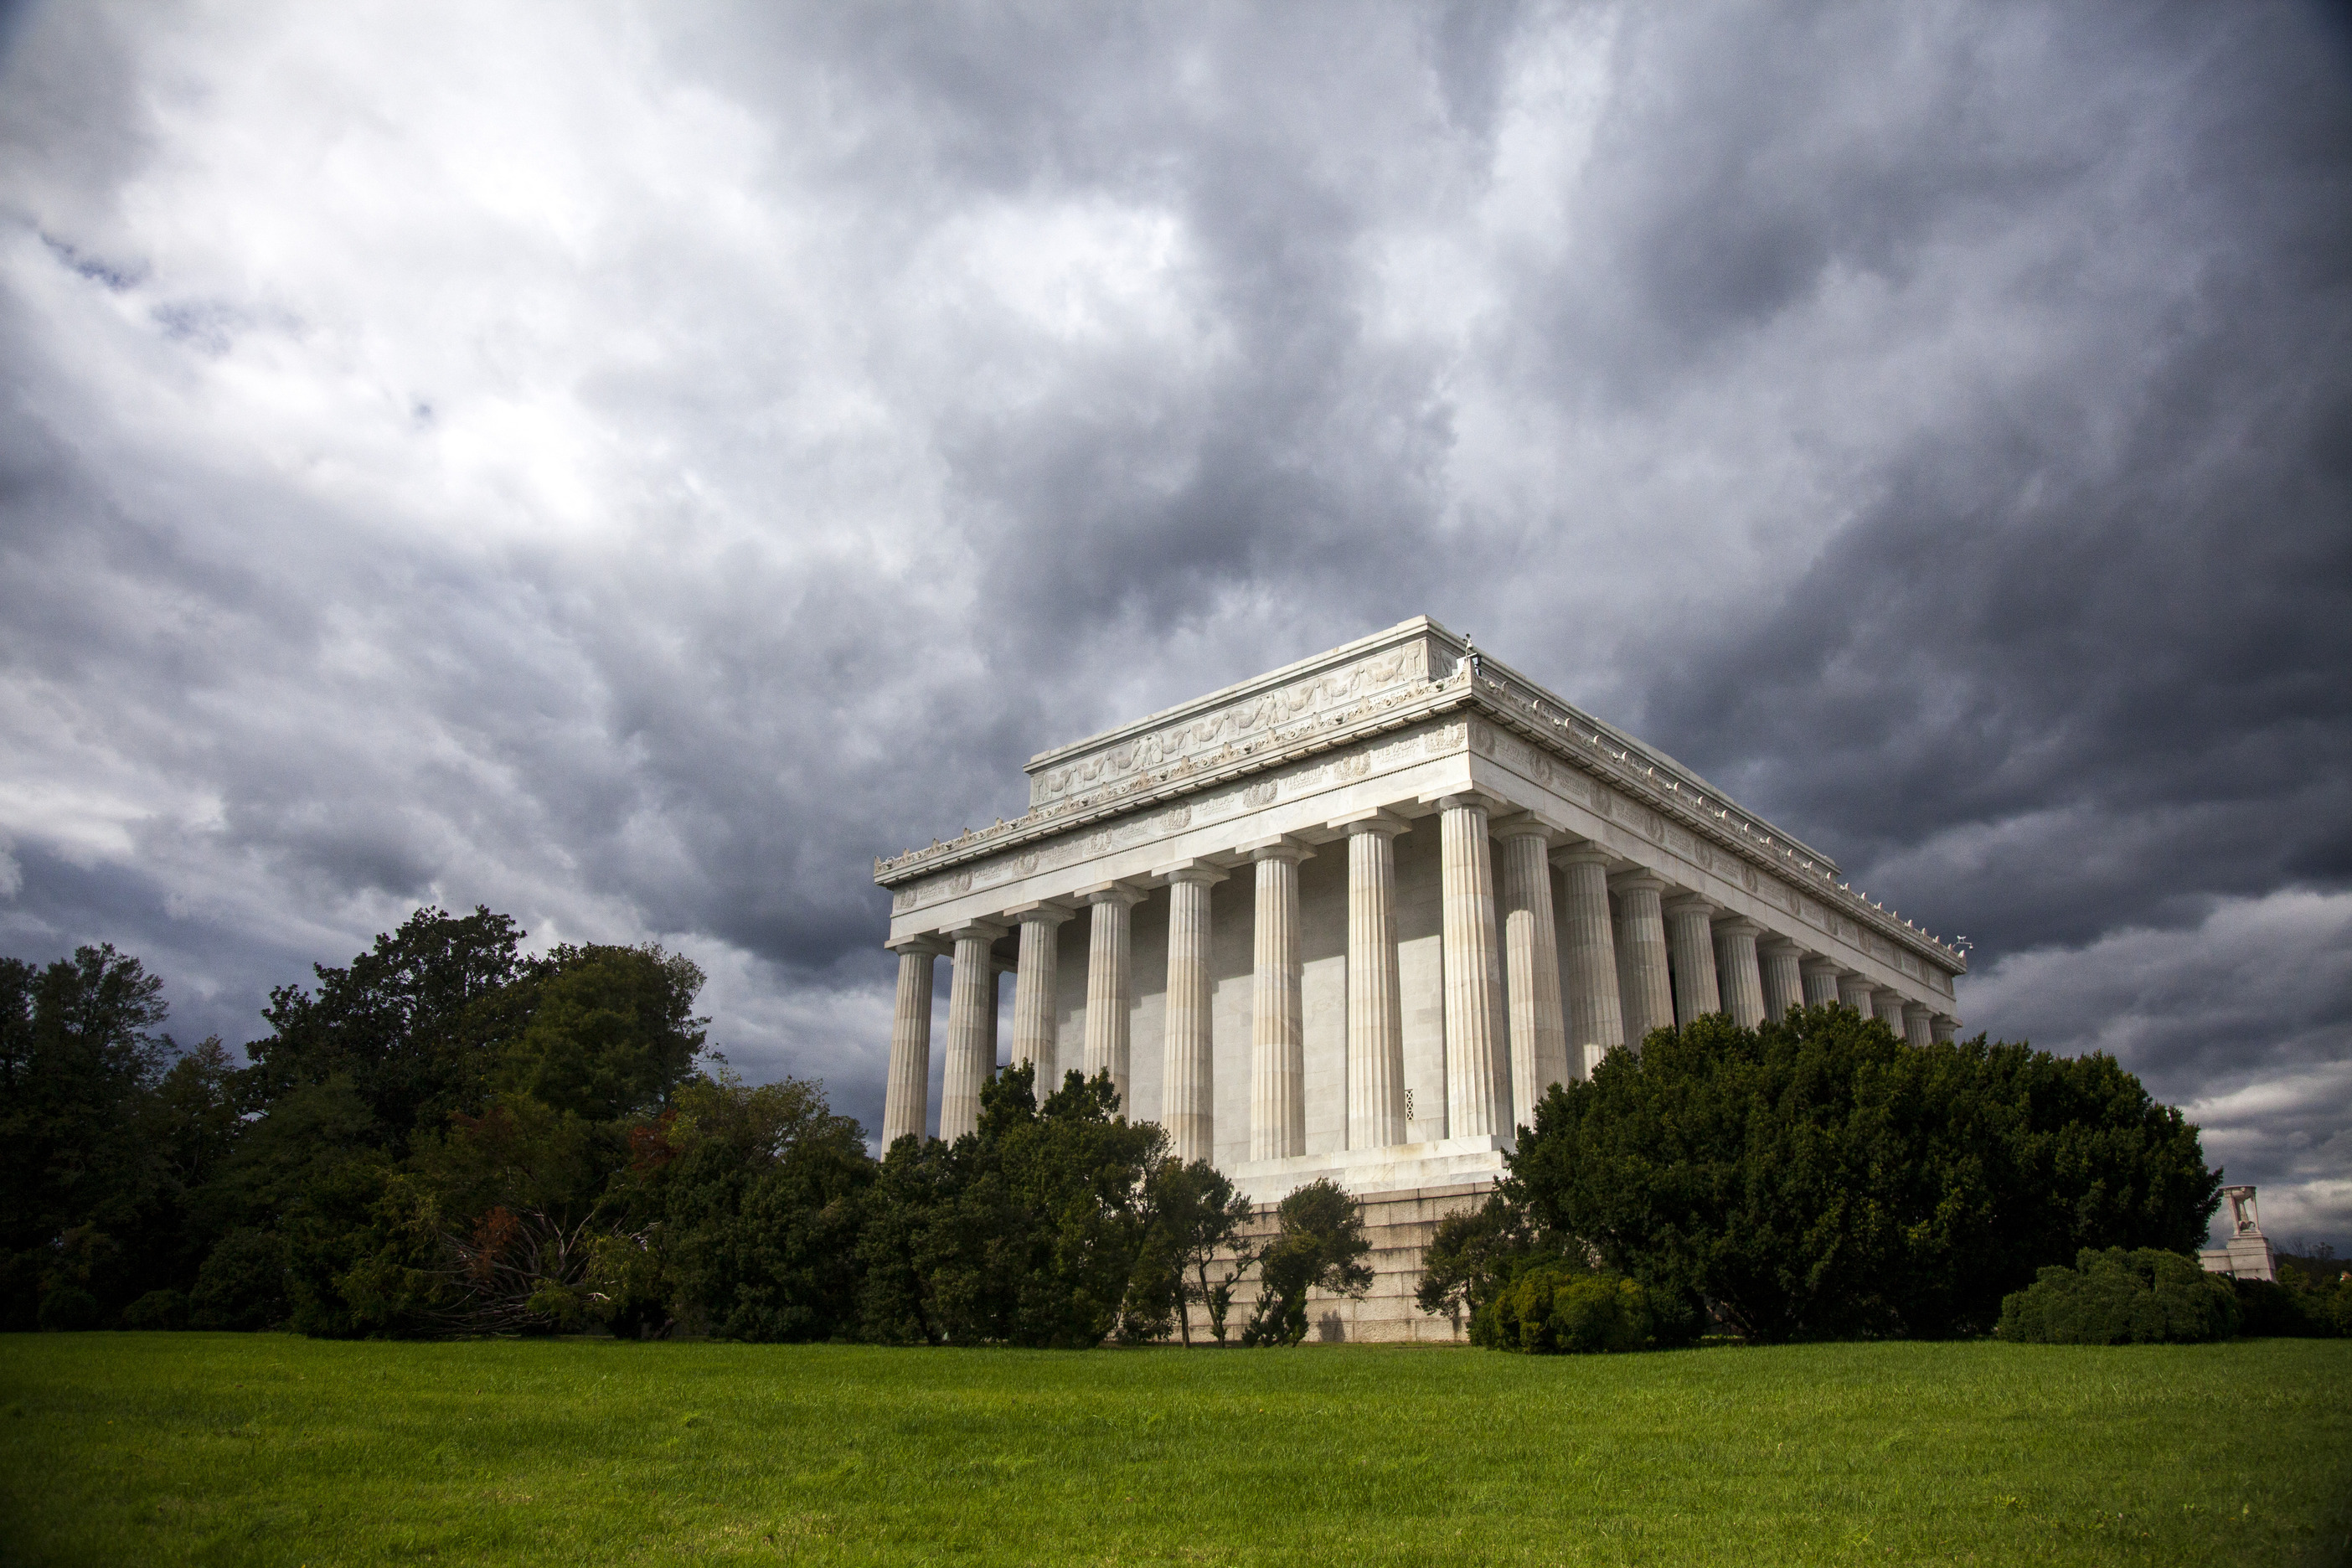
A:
[1652,961]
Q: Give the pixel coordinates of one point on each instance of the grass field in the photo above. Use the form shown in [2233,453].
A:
[159,1448]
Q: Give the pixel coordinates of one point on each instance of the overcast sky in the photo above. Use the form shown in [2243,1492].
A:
[629,467]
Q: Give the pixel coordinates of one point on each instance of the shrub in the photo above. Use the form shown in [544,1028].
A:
[66,1308]
[2113,1297]
[1560,1308]
[242,1285]
[157,1310]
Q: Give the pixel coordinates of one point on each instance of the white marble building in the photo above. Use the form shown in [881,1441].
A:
[1352,916]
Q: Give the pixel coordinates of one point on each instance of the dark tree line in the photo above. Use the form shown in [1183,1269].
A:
[1817,1177]
[447,1137]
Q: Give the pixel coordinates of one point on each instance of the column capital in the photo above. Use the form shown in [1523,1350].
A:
[1739,925]
[1583,853]
[1692,904]
[1525,824]
[927,944]
[1772,942]
[1112,893]
[1039,914]
[983,931]
[1197,873]
[1283,847]
[1638,880]
[1467,800]
[1814,963]
[1378,819]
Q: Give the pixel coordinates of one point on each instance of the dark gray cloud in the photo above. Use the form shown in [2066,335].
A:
[632,468]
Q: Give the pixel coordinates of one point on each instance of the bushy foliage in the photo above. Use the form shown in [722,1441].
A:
[1818,1177]
[1561,1308]
[2311,1298]
[157,1310]
[2115,1297]
[1192,1253]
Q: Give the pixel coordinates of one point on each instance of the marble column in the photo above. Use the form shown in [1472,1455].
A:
[1942,1026]
[907,1093]
[1820,981]
[1784,982]
[972,1030]
[1375,1004]
[1477,1085]
[1888,1008]
[1539,1030]
[1689,934]
[1277,1034]
[1036,1033]
[1645,989]
[1738,973]
[1853,991]
[1914,1025]
[1188,1088]
[1110,990]
[1596,1013]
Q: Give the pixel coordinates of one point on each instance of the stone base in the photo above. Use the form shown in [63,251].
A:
[2246,1257]
[1399,1225]
[1401,1168]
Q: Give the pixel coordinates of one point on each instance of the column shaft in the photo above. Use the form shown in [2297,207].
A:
[1538,1031]
[1784,983]
[1188,1089]
[1888,1009]
[1035,1033]
[1596,1013]
[1738,971]
[1820,982]
[1914,1025]
[1278,1036]
[1109,989]
[1475,1087]
[1375,1006]
[1853,991]
[1941,1027]
[906,1095]
[1643,986]
[1689,931]
[972,1018]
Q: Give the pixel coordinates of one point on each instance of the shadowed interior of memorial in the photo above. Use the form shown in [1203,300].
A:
[1351,918]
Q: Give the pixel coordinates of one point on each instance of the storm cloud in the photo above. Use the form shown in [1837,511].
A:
[629,466]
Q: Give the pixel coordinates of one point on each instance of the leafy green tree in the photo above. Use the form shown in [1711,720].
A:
[1025,1232]
[1194,1221]
[412,1024]
[1318,1244]
[86,1195]
[605,1032]
[749,1202]
[1474,1253]
[1818,1177]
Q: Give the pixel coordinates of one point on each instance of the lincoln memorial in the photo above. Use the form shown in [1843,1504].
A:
[1353,917]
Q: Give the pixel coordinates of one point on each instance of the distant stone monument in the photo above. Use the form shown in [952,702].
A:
[1353,918]
[2248,1256]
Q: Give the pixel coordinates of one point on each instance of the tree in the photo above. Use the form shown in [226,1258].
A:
[1194,1221]
[1025,1232]
[750,1201]
[1818,1177]
[2113,1297]
[412,1024]
[603,1032]
[1318,1244]
[85,1189]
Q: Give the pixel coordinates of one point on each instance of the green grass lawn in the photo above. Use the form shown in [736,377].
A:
[169,1448]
